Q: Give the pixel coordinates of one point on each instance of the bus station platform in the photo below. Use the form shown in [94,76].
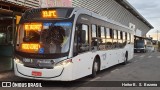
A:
[6,64]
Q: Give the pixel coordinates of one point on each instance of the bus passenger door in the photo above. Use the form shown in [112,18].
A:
[82,55]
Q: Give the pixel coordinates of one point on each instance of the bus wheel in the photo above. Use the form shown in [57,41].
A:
[95,68]
[125,59]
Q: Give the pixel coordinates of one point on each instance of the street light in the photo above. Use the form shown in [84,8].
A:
[157,36]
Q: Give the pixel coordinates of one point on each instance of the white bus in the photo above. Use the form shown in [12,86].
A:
[66,44]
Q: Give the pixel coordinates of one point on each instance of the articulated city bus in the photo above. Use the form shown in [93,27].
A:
[66,44]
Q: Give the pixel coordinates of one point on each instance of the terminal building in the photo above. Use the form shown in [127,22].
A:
[11,11]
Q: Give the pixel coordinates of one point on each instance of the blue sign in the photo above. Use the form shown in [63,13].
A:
[47,24]
[41,50]
[58,24]
[63,24]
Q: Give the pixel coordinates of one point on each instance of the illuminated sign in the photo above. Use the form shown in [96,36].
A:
[47,24]
[30,47]
[58,24]
[63,24]
[49,14]
[32,26]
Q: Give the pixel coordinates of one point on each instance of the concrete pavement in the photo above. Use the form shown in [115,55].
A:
[143,67]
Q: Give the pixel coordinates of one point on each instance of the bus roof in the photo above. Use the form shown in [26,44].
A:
[71,11]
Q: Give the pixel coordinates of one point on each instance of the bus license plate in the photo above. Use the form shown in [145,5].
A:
[138,51]
[36,73]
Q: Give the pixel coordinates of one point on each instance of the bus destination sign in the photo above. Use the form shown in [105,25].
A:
[49,14]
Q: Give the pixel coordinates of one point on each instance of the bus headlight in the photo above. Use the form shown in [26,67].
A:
[18,61]
[65,62]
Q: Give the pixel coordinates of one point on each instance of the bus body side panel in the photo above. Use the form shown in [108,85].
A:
[107,58]
[83,62]
[110,58]
[82,65]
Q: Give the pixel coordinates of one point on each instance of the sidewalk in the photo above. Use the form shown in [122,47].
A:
[7,75]
[5,64]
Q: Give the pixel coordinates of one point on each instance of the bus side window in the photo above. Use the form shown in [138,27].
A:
[115,36]
[124,39]
[109,41]
[83,38]
[132,38]
[126,36]
[111,33]
[94,31]
[129,38]
[120,39]
[102,40]
[94,42]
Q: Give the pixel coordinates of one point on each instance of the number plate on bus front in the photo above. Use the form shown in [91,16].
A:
[36,73]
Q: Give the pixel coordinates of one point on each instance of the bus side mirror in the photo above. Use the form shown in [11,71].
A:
[83,36]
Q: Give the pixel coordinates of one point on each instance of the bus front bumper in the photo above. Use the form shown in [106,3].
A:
[58,73]
[138,50]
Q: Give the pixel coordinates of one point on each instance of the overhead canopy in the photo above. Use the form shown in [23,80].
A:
[7,8]
[132,10]
[4,13]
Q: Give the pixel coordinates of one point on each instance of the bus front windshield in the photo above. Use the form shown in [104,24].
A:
[44,37]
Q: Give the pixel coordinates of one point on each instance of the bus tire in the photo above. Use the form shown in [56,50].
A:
[95,67]
[125,59]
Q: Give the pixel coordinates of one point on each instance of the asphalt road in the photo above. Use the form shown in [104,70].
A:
[143,67]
